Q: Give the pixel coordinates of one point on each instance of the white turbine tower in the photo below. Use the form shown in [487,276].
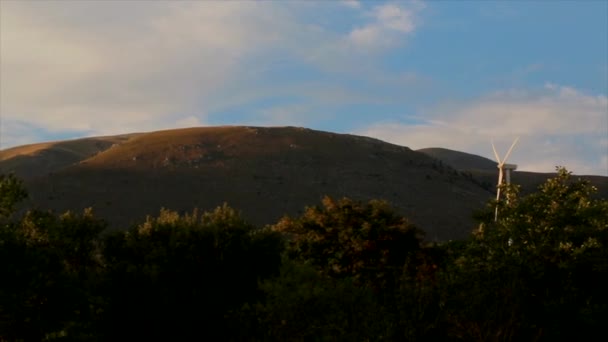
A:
[503,169]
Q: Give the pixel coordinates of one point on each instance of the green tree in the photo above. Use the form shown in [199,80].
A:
[12,191]
[539,271]
[179,276]
[351,257]
[47,266]
[366,241]
[303,305]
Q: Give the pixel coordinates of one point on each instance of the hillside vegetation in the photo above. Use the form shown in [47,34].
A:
[484,171]
[266,172]
[36,160]
[342,270]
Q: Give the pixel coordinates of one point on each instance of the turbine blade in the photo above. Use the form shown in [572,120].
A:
[511,149]
[495,153]
[498,194]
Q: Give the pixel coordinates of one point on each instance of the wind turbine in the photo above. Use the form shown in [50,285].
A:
[503,169]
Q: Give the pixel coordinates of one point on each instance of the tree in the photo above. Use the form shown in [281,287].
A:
[179,276]
[561,219]
[47,265]
[12,191]
[366,241]
[303,305]
[542,263]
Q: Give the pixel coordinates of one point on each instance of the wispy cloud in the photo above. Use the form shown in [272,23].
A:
[390,24]
[72,68]
[558,125]
[104,67]
[65,68]
[351,3]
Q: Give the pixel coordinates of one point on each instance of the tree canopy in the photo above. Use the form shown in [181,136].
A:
[346,238]
[342,270]
[12,191]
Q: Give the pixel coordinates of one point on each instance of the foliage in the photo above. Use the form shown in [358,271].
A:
[303,305]
[47,263]
[178,276]
[12,191]
[537,272]
[366,241]
[560,221]
[344,270]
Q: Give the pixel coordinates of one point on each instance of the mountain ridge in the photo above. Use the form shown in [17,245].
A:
[460,160]
[265,172]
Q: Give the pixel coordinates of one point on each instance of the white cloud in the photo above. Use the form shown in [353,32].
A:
[16,133]
[284,114]
[100,67]
[369,36]
[395,18]
[351,3]
[558,125]
[189,121]
[390,24]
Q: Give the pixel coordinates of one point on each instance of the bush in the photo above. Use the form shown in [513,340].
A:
[177,277]
[303,305]
[540,271]
[48,264]
[367,242]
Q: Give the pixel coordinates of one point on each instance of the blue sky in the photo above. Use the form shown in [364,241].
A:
[451,74]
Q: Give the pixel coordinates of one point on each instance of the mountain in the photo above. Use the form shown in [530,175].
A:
[460,160]
[35,160]
[264,172]
[484,171]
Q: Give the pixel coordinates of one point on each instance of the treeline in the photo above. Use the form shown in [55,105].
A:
[342,271]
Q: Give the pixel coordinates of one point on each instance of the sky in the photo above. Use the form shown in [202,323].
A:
[451,74]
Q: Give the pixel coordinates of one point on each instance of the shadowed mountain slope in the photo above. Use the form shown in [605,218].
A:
[264,172]
[35,160]
[460,160]
[485,172]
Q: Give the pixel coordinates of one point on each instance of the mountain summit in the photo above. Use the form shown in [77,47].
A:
[264,172]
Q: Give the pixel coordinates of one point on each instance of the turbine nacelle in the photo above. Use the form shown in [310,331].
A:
[509,167]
